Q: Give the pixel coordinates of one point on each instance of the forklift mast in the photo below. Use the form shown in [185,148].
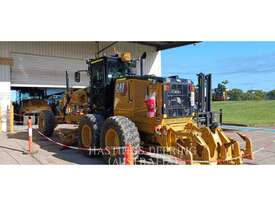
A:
[205,116]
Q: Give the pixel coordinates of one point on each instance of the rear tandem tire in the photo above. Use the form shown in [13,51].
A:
[46,123]
[89,132]
[120,131]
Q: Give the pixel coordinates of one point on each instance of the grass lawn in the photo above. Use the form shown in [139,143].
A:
[253,113]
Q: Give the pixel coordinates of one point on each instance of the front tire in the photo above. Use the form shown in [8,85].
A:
[118,131]
[46,123]
[89,130]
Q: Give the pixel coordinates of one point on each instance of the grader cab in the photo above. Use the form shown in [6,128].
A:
[148,111]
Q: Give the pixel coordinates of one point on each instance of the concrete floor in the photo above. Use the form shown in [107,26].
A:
[12,147]
[263,142]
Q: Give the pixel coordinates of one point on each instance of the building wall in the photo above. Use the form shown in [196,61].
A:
[4,103]
[4,95]
[83,50]
[4,73]
[74,50]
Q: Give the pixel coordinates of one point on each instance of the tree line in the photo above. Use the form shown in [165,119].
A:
[238,95]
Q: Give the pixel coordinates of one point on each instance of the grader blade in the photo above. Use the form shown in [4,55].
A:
[185,154]
[206,146]
[227,145]
[237,153]
[248,152]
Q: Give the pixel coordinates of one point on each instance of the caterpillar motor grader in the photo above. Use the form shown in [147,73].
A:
[145,110]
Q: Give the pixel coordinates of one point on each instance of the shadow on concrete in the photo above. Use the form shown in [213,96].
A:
[69,155]
[13,149]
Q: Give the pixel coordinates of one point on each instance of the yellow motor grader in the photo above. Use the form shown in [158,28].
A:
[148,111]
[30,103]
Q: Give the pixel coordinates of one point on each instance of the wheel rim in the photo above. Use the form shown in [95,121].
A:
[86,136]
[112,141]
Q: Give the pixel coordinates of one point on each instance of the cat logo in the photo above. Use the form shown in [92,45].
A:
[121,88]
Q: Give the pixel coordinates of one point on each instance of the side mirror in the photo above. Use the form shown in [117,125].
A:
[77,77]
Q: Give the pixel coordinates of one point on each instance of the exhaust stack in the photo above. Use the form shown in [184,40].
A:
[142,58]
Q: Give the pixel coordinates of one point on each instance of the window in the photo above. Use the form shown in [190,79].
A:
[98,74]
[116,69]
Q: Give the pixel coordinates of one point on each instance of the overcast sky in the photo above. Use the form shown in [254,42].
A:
[246,65]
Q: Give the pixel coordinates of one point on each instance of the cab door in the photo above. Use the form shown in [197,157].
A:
[97,100]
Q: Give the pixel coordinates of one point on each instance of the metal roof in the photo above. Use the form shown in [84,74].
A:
[162,45]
